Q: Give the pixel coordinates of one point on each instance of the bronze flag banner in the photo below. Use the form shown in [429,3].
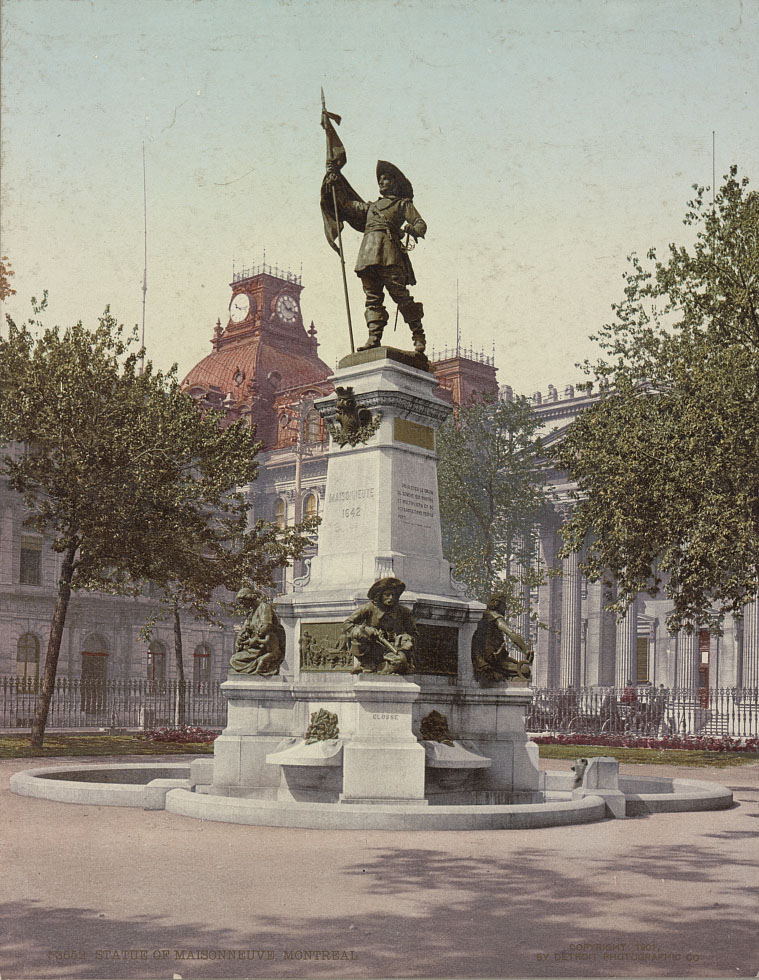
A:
[336,158]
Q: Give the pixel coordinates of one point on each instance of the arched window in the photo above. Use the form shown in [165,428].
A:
[95,658]
[280,513]
[156,662]
[279,580]
[94,674]
[28,658]
[201,665]
[313,426]
[30,571]
[310,507]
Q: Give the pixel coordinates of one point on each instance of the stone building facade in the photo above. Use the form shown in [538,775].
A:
[264,368]
[585,646]
[101,637]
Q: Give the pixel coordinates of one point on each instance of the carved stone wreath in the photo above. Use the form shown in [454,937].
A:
[361,434]
[434,728]
[324,726]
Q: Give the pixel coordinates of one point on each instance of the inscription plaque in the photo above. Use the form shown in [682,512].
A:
[437,650]
[415,503]
[414,434]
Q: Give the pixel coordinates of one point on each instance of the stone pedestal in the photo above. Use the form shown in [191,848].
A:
[383,761]
[381,515]
[381,518]
[601,778]
[259,716]
[492,720]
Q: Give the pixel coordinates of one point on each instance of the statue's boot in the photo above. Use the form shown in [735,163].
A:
[417,335]
[375,336]
[412,314]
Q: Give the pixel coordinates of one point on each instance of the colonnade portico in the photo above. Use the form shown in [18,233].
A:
[584,645]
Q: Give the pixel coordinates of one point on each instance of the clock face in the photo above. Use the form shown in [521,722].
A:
[241,307]
[287,308]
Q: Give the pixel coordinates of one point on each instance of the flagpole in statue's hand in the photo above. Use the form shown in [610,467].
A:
[342,266]
[331,179]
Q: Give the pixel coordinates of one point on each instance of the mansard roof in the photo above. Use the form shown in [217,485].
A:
[259,360]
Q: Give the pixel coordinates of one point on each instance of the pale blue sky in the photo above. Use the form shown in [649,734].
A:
[545,140]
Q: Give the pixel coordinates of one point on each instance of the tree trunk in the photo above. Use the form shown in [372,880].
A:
[53,650]
[181,693]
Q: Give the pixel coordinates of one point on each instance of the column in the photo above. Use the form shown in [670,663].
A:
[545,673]
[751,644]
[653,672]
[686,675]
[524,591]
[524,619]
[627,636]
[571,622]
[6,546]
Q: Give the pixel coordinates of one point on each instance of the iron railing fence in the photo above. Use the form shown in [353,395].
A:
[646,711]
[143,704]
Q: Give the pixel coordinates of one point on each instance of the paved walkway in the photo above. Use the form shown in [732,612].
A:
[101,892]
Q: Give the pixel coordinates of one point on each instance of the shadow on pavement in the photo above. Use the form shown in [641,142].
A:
[430,914]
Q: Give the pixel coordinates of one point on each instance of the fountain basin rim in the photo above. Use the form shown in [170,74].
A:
[397,816]
[175,794]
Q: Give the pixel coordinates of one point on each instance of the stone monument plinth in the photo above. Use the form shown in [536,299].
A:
[383,761]
[381,520]
[381,514]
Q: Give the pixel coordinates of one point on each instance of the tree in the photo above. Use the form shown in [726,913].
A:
[129,478]
[6,272]
[666,460]
[211,572]
[491,497]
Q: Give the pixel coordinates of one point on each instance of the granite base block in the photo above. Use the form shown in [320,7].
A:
[384,769]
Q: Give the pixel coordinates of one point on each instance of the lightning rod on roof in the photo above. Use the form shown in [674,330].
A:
[458,331]
[145,267]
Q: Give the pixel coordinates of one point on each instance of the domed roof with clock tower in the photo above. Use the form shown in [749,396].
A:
[262,353]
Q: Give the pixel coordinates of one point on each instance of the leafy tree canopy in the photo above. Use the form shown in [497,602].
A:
[491,496]
[120,464]
[6,272]
[666,461]
[124,473]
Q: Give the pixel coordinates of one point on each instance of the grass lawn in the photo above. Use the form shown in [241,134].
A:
[663,757]
[17,746]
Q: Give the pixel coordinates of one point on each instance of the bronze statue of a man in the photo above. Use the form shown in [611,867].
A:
[381,634]
[383,261]
[492,645]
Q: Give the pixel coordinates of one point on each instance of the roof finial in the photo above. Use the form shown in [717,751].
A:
[458,331]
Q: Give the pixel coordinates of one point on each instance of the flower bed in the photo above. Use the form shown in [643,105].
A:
[186,734]
[703,743]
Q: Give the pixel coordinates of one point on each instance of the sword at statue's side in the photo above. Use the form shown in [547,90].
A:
[407,246]
[335,159]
